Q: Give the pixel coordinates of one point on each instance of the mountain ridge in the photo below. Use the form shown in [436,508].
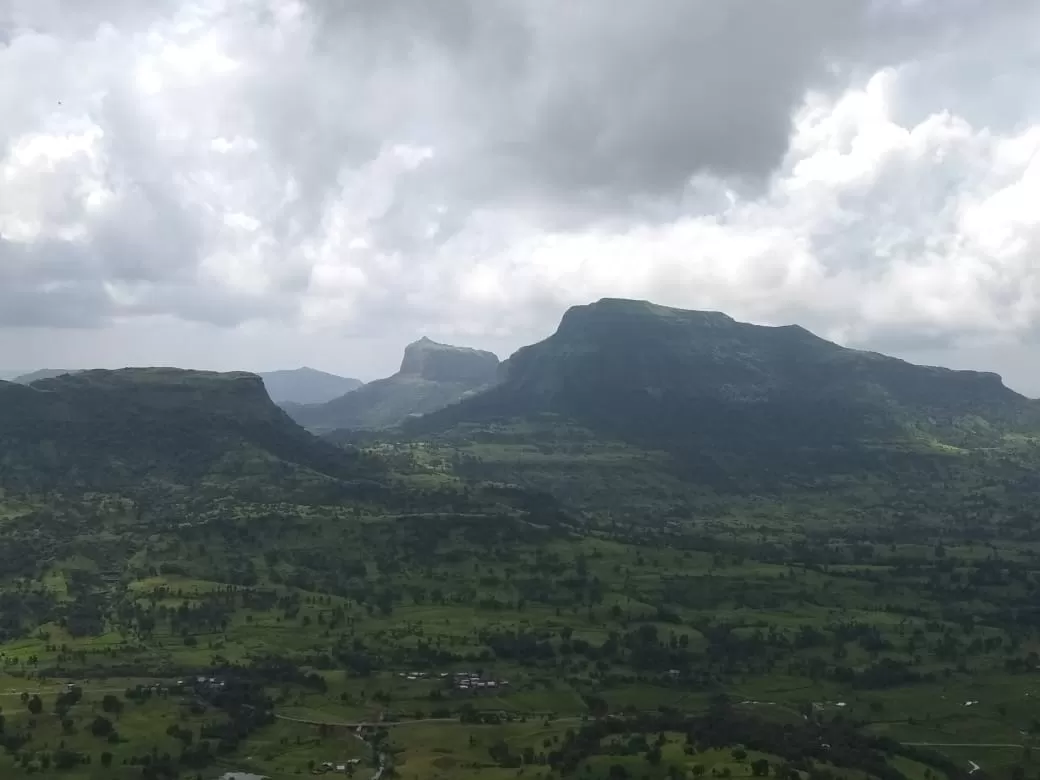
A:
[42,373]
[306,385]
[432,375]
[682,379]
[121,427]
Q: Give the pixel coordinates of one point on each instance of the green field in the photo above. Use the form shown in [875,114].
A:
[601,588]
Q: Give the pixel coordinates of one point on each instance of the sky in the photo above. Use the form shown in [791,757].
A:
[262,184]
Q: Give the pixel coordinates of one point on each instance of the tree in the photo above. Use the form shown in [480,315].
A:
[66,759]
[112,704]
[101,727]
[106,759]
[597,706]
[760,768]
[35,705]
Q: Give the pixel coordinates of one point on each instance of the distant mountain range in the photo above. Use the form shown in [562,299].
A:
[306,386]
[699,385]
[43,373]
[432,376]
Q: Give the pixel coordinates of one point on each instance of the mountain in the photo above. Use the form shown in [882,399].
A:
[432,376]
[306,386]
[299,386]
[702,383]
[107,429]
[43,373]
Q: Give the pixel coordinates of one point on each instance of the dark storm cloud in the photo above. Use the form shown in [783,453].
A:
[48,285]
[592,101]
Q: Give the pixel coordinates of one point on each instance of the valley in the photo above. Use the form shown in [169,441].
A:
[191,585]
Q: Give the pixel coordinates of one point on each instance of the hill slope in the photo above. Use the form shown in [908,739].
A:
[432,376]
[306,386]
[43,373]
[702,382]
[114,428]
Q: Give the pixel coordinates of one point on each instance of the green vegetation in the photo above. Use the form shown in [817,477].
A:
[190,584]
[727,396]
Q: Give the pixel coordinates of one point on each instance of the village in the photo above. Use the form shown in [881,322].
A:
[464,682]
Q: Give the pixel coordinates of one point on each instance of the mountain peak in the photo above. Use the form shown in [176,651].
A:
[695,379]
[645,307]
[432,376]
[623,313]
[436,362]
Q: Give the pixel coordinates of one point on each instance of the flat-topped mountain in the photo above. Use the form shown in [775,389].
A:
[431,376]
[294,386]
[110,428]
[701,380]
[43,373]
[306,386]
[434,362]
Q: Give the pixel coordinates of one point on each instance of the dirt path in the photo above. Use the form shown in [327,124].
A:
[393,723]
[363,724]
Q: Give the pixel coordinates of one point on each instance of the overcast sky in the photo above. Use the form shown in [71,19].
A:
[265,184]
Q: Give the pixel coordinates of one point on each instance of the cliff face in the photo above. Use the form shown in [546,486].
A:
[432,376]
[435,362]
[109,428]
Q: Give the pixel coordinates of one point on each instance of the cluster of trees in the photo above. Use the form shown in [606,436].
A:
[800,744]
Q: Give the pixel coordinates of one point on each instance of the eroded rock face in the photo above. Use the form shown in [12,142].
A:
[432,376]
[445,363]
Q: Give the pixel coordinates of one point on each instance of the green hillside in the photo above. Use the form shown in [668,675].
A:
[721,393]
[115,429]
[529,586]
[432,376]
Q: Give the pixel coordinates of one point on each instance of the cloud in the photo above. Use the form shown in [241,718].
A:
[873,232]
[375,169]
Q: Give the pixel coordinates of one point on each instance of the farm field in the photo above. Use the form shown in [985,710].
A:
[475,640]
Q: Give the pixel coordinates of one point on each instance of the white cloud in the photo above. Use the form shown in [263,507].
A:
[333,171]
[871,231]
